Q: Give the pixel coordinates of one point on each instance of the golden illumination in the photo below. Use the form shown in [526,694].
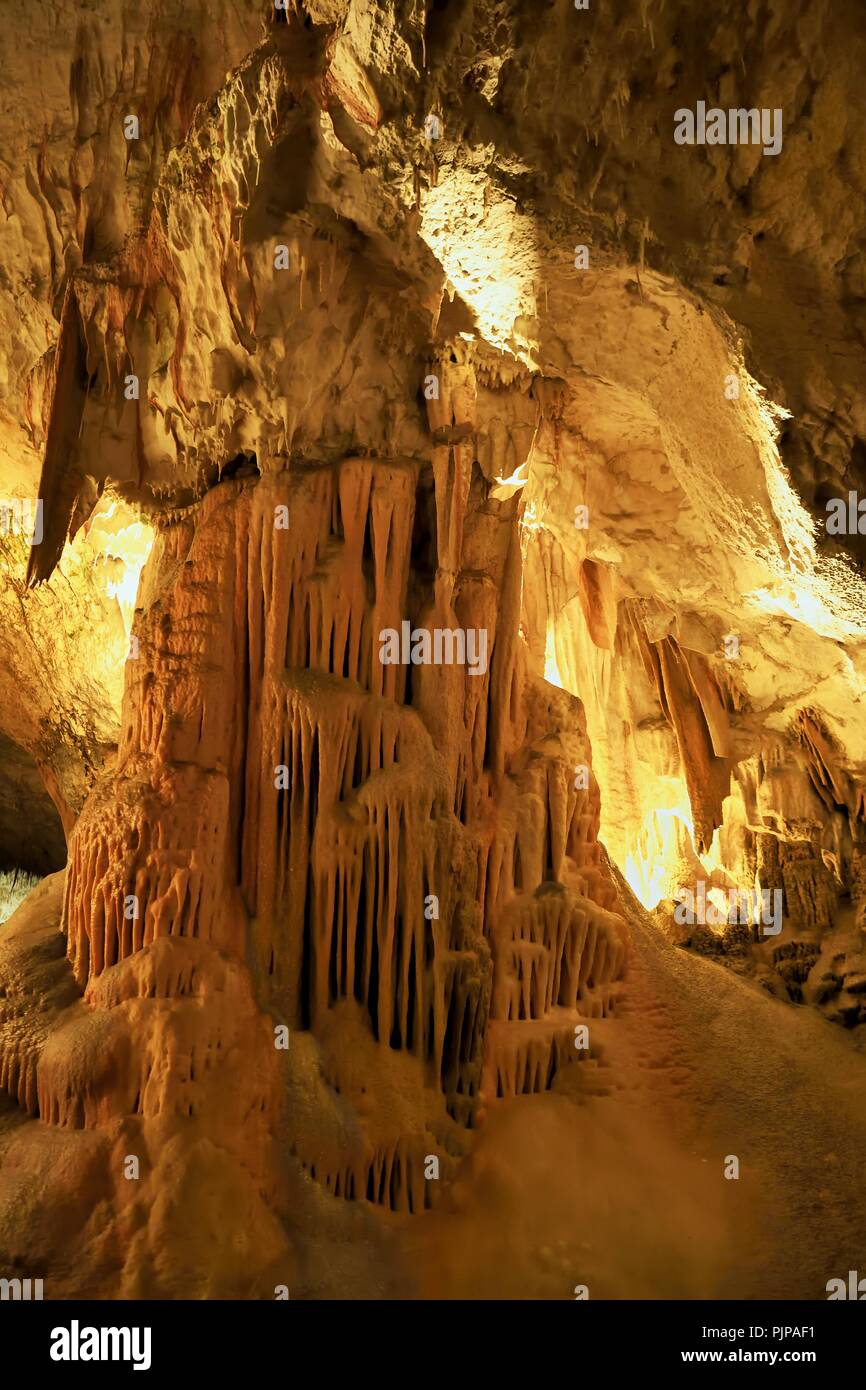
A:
[488,251]
[551,668]
[812,600]
[652,864]
[805,587]
[120,542]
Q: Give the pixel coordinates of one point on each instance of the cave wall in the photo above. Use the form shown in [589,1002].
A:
[397,863]
[352,376]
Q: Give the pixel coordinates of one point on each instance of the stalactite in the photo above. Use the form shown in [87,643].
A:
[832,784]
[552,949]
[524,1058]
[409,847]
[692,703]
[61,477]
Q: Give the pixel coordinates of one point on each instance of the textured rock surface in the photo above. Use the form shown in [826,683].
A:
[317,334]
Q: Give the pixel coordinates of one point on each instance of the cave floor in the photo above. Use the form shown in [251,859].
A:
[615,1179]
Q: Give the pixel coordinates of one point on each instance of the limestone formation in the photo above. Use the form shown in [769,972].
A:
[430,602]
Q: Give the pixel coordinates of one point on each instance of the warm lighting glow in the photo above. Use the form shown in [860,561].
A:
[805,587]
[506,487]
[551,668]
[809,599]
[647,868]
[530,521]
[120,543]
[488,251]
[651,865]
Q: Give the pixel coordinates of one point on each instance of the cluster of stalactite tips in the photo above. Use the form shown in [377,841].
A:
[336,906]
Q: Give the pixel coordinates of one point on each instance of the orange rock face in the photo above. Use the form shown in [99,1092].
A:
[468,439]
[284,847]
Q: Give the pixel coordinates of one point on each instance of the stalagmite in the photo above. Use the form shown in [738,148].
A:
[431,637]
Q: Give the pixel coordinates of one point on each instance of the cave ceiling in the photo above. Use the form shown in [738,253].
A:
[436,279]
[430,174]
